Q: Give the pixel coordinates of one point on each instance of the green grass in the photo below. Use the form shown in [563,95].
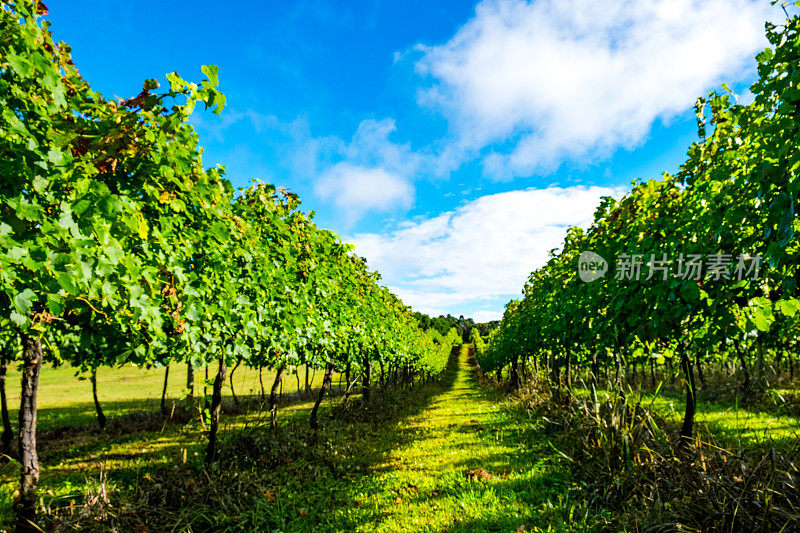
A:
[450,456]
[726,421]
[78,455]
[65,397]
[75,460]
[458,459]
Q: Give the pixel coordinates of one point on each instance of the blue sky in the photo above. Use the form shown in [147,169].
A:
[452,142]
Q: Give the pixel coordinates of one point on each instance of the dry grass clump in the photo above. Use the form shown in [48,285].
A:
[627,458]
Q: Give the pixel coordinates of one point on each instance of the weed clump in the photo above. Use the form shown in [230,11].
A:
[624,456]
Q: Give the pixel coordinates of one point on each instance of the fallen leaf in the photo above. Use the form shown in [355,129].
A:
[478,474]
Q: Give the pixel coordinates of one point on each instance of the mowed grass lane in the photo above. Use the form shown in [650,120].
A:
[463,460]
[454,457]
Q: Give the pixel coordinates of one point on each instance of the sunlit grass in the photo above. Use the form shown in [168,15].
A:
[65,394]
[456,458]
[71,466]
[728,423]
[466,461]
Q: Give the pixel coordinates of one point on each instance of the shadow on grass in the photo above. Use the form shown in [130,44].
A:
[370,488]
[138,443]
[344,477]
[154,474]
[314,481]
[728,422]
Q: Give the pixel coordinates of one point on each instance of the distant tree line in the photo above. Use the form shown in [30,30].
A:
[463,326]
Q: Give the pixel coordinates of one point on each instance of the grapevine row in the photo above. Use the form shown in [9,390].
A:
[118,247]
[736,196]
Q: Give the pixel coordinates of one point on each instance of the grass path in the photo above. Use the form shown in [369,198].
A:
[465,463]
[448,456]
[451,455]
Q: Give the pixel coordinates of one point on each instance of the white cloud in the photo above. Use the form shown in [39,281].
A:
[370,172]
[540,82]
[373,173]
[371,146]
[481,252]
[486,316]
[356,189]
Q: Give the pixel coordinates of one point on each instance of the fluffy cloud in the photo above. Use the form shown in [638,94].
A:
[355,189]
[486,316]
[373,173]
[540,82]
[368,172]
[479,255]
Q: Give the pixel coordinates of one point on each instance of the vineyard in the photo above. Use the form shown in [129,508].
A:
[118,248]
[700,295]
[263,378]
